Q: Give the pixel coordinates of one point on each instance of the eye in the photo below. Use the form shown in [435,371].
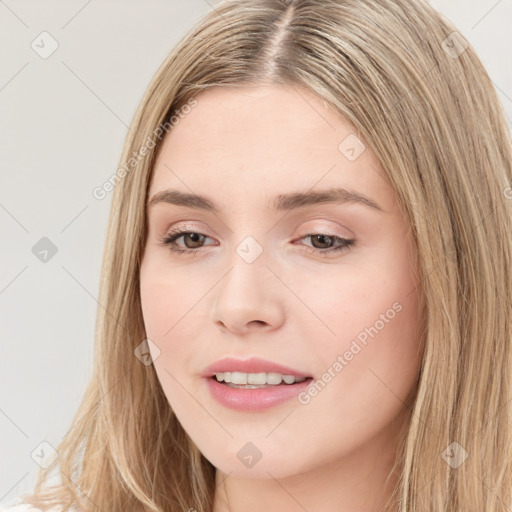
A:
[343,243]
[169,240]
[195,239]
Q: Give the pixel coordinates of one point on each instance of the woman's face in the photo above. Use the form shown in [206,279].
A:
[269,276]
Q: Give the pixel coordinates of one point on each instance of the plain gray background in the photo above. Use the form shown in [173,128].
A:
[64,119]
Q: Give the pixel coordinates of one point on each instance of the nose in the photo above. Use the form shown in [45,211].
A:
[249,298]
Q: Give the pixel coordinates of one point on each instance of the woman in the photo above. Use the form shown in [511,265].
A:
[306,275]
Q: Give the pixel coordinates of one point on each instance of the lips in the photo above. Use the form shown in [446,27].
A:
[252,365]
[254,400]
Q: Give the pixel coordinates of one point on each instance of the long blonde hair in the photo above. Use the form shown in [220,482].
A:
[421,99]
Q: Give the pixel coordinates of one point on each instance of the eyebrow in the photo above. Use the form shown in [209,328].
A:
[283,202]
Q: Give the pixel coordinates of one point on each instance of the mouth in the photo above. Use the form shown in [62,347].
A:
[255,392]
[241,380]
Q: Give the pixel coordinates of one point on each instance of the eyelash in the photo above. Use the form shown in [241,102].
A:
[173,235]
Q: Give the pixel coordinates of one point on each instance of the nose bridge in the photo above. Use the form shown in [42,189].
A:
[248,273]
[249,292]
[249,235]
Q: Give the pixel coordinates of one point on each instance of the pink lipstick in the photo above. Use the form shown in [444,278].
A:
[254,384]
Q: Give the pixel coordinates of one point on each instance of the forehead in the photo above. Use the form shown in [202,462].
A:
[284,119]
[265,139]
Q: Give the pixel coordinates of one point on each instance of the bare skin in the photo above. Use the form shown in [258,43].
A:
[241,147]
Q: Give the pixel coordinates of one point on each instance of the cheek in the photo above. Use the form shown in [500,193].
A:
[169,299]
[369,346]
[168,295]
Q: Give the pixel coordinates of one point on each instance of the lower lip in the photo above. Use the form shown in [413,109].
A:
[251,400]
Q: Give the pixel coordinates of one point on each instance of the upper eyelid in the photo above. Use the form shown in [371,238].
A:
[180,231]
[316,230]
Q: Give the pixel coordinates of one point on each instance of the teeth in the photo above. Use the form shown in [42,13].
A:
[257,378]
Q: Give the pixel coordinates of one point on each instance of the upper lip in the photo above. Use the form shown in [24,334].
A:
[252,365]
